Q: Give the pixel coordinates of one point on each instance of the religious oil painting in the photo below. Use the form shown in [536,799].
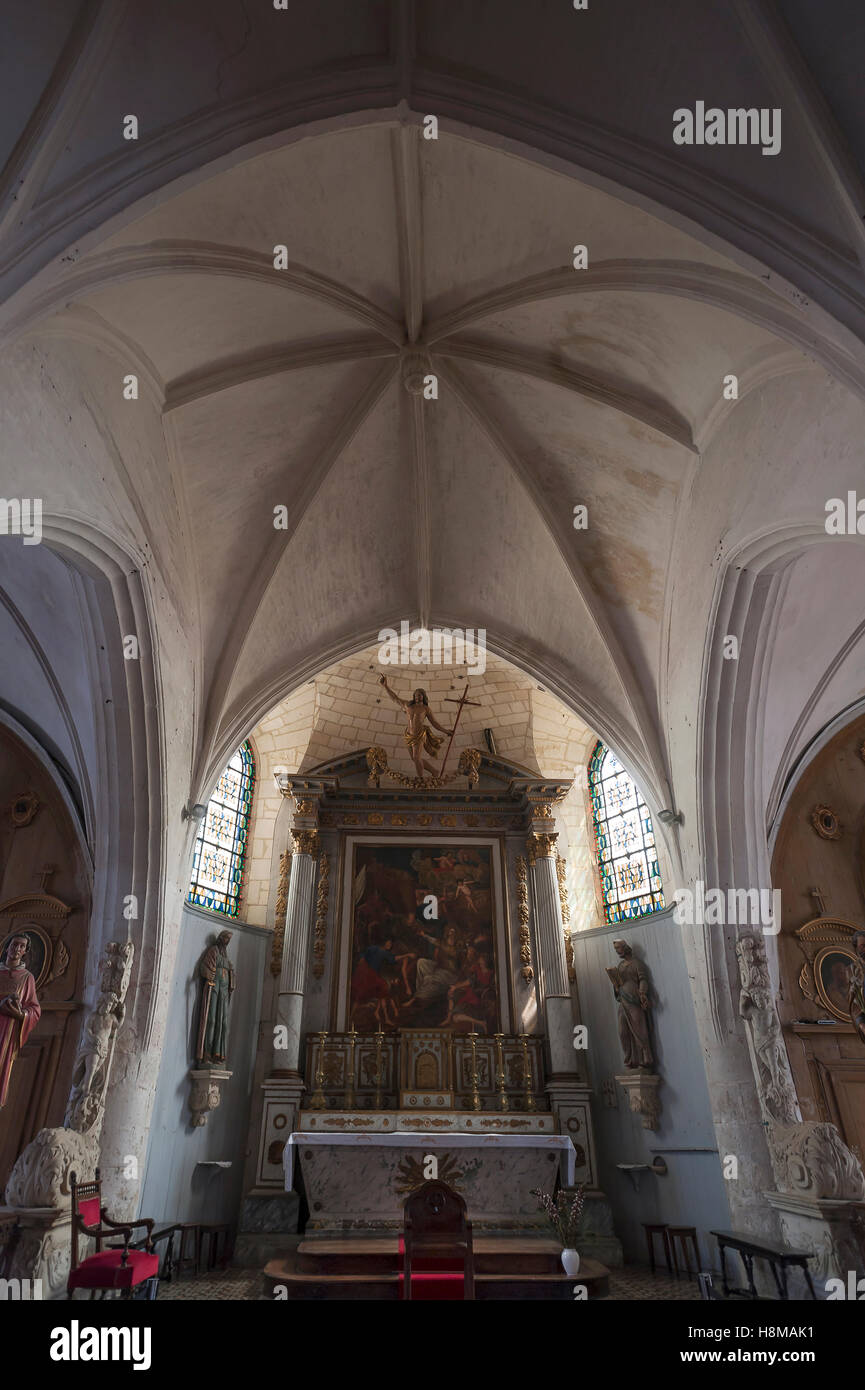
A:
[38,949]
[423,951]
[835,971]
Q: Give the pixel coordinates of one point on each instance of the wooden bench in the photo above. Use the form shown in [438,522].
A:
[779,1261]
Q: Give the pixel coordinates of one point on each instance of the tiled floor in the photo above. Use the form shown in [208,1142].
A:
[631,1282]
[637,1282]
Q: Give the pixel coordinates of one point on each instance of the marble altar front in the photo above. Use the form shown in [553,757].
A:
[358,1183]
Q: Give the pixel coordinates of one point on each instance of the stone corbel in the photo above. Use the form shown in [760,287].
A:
[204,1094]
[641,1088]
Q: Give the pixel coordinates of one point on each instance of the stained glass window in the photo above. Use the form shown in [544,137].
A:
[627,857]
[217,861]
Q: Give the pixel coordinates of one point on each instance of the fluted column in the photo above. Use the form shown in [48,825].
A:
[552,965]
[295,948]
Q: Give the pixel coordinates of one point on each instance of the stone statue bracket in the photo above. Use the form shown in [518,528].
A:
[641,1088]
[204,1094]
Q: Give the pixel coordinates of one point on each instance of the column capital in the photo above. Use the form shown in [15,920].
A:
[541,845]
[305,841]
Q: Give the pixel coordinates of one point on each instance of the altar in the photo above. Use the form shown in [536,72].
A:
[422,1008]
[358,1183]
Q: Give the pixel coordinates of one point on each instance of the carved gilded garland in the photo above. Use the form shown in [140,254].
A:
[468,766]
[523,907]
[281,909]
[561,874]
[320,938]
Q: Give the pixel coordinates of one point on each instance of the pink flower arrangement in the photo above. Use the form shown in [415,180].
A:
[563,1214]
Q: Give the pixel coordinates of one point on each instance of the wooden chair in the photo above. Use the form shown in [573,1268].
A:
[659,1229]
[683,1234]
[119,1267]
[437,1244]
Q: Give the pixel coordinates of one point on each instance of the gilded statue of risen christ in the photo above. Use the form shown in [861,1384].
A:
[418,735]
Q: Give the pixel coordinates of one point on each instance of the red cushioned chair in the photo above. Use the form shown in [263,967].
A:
[438,1258]
[118,1267]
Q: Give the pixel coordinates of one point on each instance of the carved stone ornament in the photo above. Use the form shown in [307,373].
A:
[812,1160]
[641,1089]
[86,1106]
[40,1177]
[757,1008]
[826,823]
[304,806]
[204,1093]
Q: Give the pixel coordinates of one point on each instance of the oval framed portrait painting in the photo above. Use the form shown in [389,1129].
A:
[38,959]
[834,970]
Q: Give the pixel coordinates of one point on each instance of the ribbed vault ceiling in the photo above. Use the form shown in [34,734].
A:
[290,387]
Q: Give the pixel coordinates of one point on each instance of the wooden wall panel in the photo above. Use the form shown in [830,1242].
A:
[827,1059]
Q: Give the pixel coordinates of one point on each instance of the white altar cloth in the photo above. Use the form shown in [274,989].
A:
[430,1142]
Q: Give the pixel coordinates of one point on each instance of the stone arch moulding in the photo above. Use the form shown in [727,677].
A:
[731,825]
[127,699]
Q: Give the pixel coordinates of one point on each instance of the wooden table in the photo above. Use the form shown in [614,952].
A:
[750,1249]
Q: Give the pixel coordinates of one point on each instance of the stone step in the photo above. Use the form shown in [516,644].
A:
[380,1255]
[284,1281]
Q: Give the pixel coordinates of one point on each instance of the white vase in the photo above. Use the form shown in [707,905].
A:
[571,1262]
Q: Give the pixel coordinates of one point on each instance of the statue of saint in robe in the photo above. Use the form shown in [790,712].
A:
[20,1010]
[418,736]
[217,973]
[631,987]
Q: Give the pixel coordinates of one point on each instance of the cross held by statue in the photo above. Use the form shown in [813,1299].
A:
[463,700]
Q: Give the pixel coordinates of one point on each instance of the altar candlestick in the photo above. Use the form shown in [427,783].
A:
[318,1101]
[350,1101]
[379,1039]
[476,1100]
[500,1072]
[527,1071]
